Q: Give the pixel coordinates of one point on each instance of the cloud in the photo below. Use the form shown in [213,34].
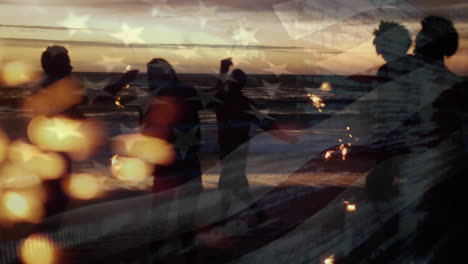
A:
[46,27]
[25,42]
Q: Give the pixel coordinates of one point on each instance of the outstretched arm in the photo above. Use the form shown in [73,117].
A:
[126,78]
[223,70]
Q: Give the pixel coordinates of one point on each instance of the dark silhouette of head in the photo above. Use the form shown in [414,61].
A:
[160,73]
[237,80]
[392,40]
[437,39]
[56,62]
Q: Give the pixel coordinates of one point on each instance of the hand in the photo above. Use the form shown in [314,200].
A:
[129,76]
[225,65]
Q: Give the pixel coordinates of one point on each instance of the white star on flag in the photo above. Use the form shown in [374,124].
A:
[184,141]
[304,17]
[276,69]
[270,88]
[246,36]
[205,97]
[75,23]
[129,35]
[159,7]
[64,130]
[110,62]
[259,113]
[237,57]
[34,7]
[205,13]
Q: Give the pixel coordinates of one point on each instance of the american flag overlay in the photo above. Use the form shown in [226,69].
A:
[218,131]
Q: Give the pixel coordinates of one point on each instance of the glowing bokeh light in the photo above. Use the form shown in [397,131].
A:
[17,204]
[4,141]
[14,176]
[79,138]
[56,98]
[22,206]
[130,169]
[48,165]
[20,152]
[38,249]
[17,73]
[326,87]
[149,149]
[82,186]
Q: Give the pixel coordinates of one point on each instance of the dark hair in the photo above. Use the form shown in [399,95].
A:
[239,76]
[55,61]
[160,73]
[438,38]
[391,39]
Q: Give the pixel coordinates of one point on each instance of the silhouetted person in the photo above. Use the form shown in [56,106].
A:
[430,153]
[56,64]
[392,41]
[395,94]
[171,114]
[396,97]
[234,122]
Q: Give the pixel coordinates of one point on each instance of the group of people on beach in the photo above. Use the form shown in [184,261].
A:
[170,109]
[414,111]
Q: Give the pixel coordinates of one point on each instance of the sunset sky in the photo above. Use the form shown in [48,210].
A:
[268,36]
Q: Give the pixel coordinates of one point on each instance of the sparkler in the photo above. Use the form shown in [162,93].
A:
[344,152]
[350,207]
[118,103]
[317,102]
[328,154]
[329,260]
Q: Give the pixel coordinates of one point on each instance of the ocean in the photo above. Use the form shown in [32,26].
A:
[289,104]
